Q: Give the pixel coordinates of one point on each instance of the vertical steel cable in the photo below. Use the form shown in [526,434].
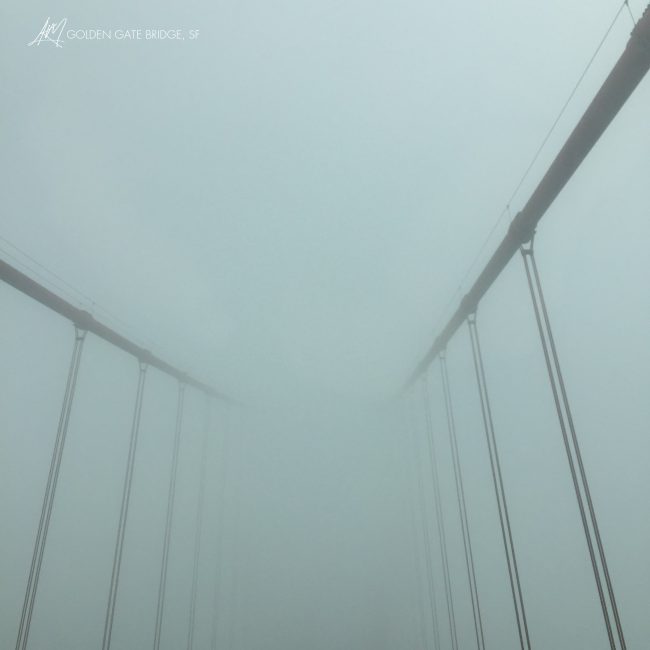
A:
[170,515]
[218,550]
[124,510]
[50,491]
[407,468]
[236,543]
[462,505]
[572,448]
[418,568]
[198,528]
[440,520]
[427,545]
[497,479]
[429,566]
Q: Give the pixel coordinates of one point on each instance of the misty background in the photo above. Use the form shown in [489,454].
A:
[287,208]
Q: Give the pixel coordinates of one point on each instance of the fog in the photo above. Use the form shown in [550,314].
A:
[289,207]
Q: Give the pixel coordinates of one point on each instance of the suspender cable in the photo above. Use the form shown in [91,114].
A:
[235,544]
[170,515]
[50,491]
[499,490]
[410,461]
[124,510]
[427,543]
[497,479]
[440,520]
[574,455]
[428,562]
[418,567]
[221,500]
[462,506]
[198,528]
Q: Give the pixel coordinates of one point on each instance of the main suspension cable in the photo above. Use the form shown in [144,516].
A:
[522,179]
[50,491]
[462,505]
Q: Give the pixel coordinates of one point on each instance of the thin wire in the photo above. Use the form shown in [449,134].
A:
[48,271]
[73,298]
[75,294]
[551,130]
[627,4]
[566,104]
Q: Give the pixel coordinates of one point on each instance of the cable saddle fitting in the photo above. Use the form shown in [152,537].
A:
[520,230]
[84,320]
